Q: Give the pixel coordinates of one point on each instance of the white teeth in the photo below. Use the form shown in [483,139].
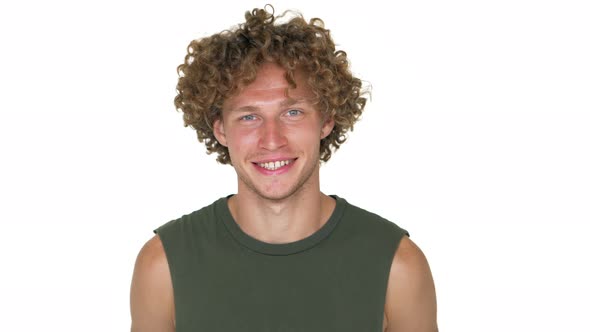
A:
[274,165]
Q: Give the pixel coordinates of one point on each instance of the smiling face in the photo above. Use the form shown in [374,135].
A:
[273,138]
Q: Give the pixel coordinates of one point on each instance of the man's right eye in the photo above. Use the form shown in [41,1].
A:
[248,117]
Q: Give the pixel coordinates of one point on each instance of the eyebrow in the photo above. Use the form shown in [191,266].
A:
[284,103]
[291,101]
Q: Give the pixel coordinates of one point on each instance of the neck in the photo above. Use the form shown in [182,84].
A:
[281,221]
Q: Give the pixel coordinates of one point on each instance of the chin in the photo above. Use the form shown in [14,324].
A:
[276,195]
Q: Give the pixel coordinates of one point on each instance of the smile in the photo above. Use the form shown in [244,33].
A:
[274,165]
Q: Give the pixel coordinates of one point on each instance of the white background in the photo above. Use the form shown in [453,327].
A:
[476,140]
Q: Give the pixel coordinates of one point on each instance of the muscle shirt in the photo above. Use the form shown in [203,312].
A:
[333,280]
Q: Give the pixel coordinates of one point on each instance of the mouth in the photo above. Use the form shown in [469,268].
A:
[275,165]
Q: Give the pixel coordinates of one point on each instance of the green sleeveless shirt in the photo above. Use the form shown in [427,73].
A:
[333,280]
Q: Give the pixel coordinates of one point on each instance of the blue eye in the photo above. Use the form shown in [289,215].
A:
[293,112]
[248,117]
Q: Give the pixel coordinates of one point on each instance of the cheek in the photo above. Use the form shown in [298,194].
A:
[302,136]
[240,139]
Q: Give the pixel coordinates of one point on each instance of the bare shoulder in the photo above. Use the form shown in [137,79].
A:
[410,302]
[152,299]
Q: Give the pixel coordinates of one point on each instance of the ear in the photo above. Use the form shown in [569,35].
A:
[327,127]
[219,131]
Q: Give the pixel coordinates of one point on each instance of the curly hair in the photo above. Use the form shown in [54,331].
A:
[216,67]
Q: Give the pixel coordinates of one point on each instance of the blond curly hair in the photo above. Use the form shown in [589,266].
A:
[216,67]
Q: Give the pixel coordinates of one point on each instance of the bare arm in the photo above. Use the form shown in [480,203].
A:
[152,299]
[410,302]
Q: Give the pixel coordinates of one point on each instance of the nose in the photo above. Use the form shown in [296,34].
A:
[272,136]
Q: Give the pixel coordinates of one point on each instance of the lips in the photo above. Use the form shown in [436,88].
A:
[275,165]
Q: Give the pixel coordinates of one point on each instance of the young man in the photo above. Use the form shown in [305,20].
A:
[273,100]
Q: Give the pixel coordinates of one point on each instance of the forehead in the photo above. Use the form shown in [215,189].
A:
[269,86]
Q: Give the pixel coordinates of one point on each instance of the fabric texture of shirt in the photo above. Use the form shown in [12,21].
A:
[333,280]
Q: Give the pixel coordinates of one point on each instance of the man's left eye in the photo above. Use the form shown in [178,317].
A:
[293,112]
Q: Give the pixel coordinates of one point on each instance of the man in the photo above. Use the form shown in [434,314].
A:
[273,100]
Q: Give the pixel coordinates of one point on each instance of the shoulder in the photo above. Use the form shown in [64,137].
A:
[410,303]
[152,299]
[366,218]
[152,256]
[367,226]
[198,220]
